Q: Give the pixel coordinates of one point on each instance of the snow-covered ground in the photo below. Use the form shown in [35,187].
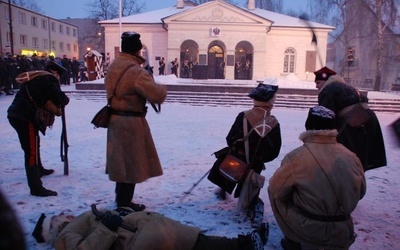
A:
[185,137]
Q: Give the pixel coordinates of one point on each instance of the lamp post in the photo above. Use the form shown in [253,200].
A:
[11,28]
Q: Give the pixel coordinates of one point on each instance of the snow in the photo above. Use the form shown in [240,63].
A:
[185,137]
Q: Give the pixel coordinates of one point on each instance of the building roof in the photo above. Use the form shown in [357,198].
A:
[157,16]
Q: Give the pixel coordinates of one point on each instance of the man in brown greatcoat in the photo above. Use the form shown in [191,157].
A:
[131,154]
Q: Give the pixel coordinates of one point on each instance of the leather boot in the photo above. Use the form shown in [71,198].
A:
[44,172]
[35,184]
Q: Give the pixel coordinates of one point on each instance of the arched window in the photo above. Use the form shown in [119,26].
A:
[289,65]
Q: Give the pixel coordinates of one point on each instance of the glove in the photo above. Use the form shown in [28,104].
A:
[149,69]
[112,222]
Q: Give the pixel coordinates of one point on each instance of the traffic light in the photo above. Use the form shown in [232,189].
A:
[350,54]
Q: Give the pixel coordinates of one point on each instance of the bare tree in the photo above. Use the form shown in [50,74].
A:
[271,5]
[28,4]
[109,9]
[387,17]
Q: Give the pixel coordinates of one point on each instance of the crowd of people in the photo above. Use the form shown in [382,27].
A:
[13,65]
[312,194]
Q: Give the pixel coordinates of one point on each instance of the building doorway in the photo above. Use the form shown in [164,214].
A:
[188,58]
[244,61]
[216,61]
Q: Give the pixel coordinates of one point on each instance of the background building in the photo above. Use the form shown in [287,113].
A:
[90,37]
[355,53]
[35,33]
[221,41]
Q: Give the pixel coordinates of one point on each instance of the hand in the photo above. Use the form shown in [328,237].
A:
[112,222]
[149,69]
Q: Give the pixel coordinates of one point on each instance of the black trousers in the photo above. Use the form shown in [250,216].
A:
[29,139]
[205,242]
[124,193]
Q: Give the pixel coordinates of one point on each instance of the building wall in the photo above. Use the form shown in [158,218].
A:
[268,42]
[29,31]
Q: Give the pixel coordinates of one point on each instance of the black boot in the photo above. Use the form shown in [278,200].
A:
[35,184]
[44,172]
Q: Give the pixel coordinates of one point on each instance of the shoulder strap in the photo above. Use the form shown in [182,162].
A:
[330,183]
[115,87]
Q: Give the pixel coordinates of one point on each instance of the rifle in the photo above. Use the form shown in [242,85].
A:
[64,143]
[101,215]
[185,194]
[314,41]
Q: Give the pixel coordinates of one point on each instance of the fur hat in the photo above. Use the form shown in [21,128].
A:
[323,74]
[48,228]
[130,42]
[51,65]
[263,92]
[320,118]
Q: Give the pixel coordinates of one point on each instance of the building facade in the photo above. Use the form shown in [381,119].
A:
[356,51]
[35,33]
[218,40]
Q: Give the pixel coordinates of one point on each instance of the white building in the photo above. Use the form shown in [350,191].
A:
[218,36]
[35,33]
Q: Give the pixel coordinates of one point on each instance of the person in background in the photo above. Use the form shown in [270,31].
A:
[161,68]
[317,187]
[364,139]
[3,74]
[131,154]
[12,72]
[74,70]
[124,229]
[38,89]
[174,67]
[66,63]
[264,141]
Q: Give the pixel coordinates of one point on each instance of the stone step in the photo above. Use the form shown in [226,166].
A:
[292,101]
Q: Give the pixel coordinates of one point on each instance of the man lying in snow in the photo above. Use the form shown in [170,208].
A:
[123,228]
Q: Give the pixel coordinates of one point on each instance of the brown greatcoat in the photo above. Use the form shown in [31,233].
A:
[300,183]
[152,232]
[131,153]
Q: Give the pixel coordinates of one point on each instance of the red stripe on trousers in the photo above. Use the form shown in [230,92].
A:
[32,145]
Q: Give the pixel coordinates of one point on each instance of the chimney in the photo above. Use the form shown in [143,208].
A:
[251,5]
[180,4]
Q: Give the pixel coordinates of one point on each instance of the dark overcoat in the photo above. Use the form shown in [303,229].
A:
[365,141]
[261,150]
[131,153]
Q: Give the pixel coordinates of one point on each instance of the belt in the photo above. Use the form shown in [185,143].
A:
[128,113]
[325,218]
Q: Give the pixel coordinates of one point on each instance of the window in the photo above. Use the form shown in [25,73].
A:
[68,47]
[44,24]
[45,43]
[75,48]
[61,29]
[53,27]
[68,30]
[74,32]
[35,42]
[23,39]
[22,17]
[53,45]
[289,61]
[61,46]
[6,13]
[8,38]
[34,21]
